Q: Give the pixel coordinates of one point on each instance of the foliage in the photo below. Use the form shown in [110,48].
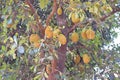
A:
[59,39]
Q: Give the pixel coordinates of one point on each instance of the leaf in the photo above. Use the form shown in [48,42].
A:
[88,4]
[14,56]
[15,39]
[3,67]
[97,4]
[12,77]
[11,39]
[37,77]
[45,74]
[5,23]
[0,76]
[50,58]
[12,53]
[104,1]
[82,17]
[91,9]
[76,15]
[95,10]
[109,8]
[69,15]
[43,3]
[3,48]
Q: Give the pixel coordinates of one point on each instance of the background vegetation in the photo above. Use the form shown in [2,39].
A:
[59,40]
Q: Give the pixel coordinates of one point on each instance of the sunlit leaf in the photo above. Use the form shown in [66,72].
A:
[37,77]
[104,1]
[43,3]
[3,48]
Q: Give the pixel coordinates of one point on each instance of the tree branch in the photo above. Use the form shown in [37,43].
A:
[116,9]
[80,45]
[33,10]
[30,5]
[103,18]
[52,12]
[74,27]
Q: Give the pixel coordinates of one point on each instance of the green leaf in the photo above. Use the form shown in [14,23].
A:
[43,3]
[104,1]
[3,48]
[0,76]
[37,77]
[3,67]
[11,77]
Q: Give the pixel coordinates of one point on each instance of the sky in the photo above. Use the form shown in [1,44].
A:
[115,41]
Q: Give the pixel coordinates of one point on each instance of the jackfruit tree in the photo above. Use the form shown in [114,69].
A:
[59,39]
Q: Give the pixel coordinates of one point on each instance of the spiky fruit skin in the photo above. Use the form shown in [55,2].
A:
[36,44]
[48,32]
[34,38]
[90,34]
[9,25]
[74,37]
[74,18]
[48,69]
[77,59]
[59,11]
[86,58]
[62,39]
[84,35]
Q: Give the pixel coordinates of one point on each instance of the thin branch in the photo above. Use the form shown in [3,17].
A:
[106,16]
[74,27]
[33,10]
[30,5]
[80,45]
[52,12]
[103,18]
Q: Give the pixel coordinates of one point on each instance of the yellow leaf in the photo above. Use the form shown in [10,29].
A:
[88,4]
[43,3]
[69,15]
[109,8]
[45,74]
[104,1]
[91,9]
[11,39]
[82,17]
[14,56]
[95,9]
[97,4]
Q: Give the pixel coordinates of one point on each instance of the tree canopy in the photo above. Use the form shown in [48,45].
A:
[59,39]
